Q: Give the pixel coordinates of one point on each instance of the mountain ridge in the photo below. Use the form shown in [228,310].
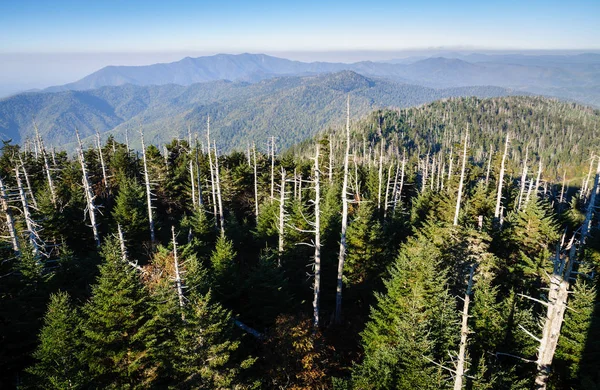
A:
[240,111]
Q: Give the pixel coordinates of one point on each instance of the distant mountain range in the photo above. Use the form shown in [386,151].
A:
[253,96]
[290,108]
[575,77]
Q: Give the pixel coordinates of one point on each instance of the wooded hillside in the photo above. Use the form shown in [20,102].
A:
[452,245]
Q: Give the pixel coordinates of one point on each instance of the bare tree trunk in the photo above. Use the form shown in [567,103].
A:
[500,181]
[10,222]
[317,284]
[462,178]
[178,283]
[89,194]
[558,295]
[380,174]
[587,179]
[281,217]
[562,190]
[555,310]
[31,228]
[330,159]
[399,193]
[387,191]
[272,168]
[101,157]
[219,198]
[198,181]
[255,182]
[591,205]
[212,174]
[46,165]
[29,188]
[343,245]
[122,243]
[529,191]
[538,178]
[148,191]
[191,169]
[523,179]
[127,139]
[487,173]
[464,332]
[450,163]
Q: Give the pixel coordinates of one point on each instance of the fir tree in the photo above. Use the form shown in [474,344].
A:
[112,347]
[58,366]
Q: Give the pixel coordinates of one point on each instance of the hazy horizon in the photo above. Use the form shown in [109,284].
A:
[29,71]
[52,43]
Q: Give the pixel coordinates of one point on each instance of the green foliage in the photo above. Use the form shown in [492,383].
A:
[57,355]
[112,348]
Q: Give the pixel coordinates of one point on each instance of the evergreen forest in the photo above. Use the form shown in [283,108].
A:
[453,245]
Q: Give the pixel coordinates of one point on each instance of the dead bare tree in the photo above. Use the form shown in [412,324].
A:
[282,217]
[462,178]
[46,165]
[31,226]
[343,245]
[10,222]
[255,182]
[464,333]
[219,197]
[101,157]
[178,282]
[89,194]
[497,215]
[317,243]
[148,189]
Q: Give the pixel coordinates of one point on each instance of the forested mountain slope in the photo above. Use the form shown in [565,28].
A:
[409,248]
[564,135]
[290,108]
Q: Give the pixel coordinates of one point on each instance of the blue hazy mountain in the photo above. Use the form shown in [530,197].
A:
[575,77]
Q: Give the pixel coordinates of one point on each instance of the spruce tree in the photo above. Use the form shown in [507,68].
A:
[58,366]
[112,348]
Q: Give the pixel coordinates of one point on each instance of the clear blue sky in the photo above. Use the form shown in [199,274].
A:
[233,26]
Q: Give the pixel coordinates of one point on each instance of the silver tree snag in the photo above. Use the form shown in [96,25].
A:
[591,204]
[101,157]
[191,169]
[212,173]
[178,282]
[462,178]
[464,333]
[523,179]
[89,194]
[255,181]
[497,215]
[29,223]
[219,197]
[272,149]
[317,258]
[46,165]
[282,217]
[10,222]
[343,244]
[148,189]
[27,182]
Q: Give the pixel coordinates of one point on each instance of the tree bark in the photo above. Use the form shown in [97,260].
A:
[89,195]
[462,177]
[317,283]
[148,191]
[500,181]
[343,245]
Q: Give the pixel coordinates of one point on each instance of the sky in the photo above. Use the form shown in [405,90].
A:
[45,42]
